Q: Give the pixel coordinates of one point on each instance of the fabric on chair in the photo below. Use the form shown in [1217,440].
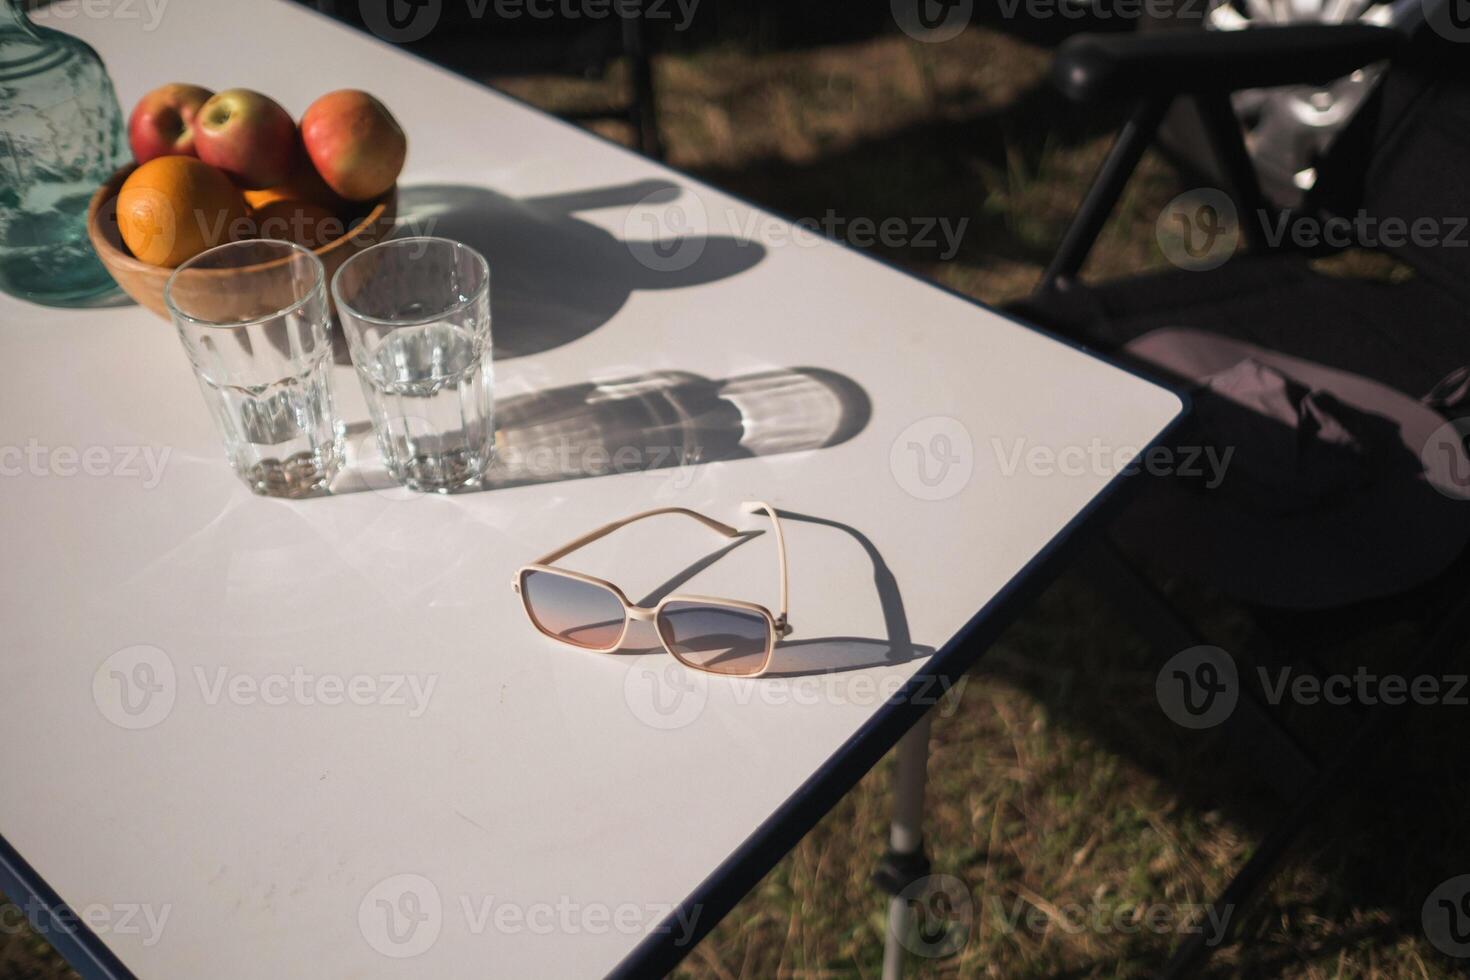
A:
[1334,489]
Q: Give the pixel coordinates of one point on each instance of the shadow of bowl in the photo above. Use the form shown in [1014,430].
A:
[554,277]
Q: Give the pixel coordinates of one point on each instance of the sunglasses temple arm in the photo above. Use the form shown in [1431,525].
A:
[606,529]
[760,506]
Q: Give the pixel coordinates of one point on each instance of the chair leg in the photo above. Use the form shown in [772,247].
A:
[1135,136]
[905,861]
[642,113]
[1223,129]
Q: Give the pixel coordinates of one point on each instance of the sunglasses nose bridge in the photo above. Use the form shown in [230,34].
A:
[642,614]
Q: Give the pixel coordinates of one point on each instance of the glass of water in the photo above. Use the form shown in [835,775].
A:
[416,312]
[254,320]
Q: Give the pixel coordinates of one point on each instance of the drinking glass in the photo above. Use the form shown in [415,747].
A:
[253,317]
[416,312]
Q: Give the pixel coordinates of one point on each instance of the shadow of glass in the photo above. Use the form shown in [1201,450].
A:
[660,420]
[556,278]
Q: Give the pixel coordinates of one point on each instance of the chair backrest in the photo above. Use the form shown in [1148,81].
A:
[1399,170]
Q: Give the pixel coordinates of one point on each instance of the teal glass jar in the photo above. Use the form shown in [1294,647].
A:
[61,136]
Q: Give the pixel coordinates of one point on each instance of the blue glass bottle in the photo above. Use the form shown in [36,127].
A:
[61,135]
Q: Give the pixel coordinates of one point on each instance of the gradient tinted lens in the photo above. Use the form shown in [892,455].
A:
[720,639]
[569,609]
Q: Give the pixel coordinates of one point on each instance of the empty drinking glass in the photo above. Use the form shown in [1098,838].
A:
[416,313]
[253,317]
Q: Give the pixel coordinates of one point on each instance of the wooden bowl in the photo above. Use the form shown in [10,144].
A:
[144,282]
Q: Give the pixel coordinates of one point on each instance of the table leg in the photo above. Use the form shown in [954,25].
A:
[905,861]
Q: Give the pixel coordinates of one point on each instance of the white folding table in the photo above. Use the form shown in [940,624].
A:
[250,737]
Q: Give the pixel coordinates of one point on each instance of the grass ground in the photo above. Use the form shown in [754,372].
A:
[1063,799]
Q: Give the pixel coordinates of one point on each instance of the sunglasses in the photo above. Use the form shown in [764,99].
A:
[720,636]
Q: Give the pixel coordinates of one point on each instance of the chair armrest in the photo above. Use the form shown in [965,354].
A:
[1097,67]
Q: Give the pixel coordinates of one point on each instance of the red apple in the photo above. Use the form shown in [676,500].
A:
[162,123]
[354,143]
[248,136]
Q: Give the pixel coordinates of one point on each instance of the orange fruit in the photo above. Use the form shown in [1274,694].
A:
[172,208]
[304,184]
[302,222]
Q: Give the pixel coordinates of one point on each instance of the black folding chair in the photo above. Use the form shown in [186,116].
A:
[1402,157]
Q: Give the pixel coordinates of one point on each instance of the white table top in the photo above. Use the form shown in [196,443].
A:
[549,806]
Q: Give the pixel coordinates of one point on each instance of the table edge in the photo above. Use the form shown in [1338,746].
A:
[657,954]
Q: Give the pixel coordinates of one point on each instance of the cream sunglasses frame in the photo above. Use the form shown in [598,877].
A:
[776,626]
